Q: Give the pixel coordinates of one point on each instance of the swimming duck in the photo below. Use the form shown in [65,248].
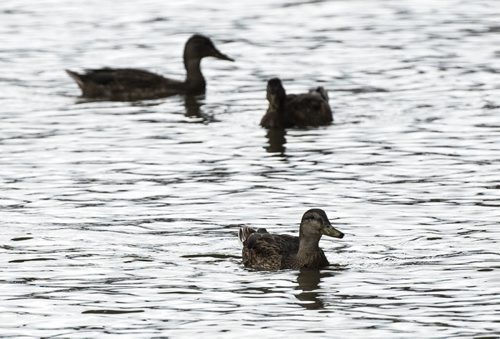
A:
[295,110]
[271,252]
[136,84]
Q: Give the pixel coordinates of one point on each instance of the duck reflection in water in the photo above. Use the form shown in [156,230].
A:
[308,283]
[276,141]
[193,105]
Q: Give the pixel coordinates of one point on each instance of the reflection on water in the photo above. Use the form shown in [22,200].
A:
[276,141]
[121,218]
[308,281]
[193,105]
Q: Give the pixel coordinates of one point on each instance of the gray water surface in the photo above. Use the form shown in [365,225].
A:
[121,218]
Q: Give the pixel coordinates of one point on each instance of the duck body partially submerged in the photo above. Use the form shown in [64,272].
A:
[270,252]
[296,110]
[124,84]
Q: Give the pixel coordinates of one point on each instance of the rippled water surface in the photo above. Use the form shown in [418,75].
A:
[121,218]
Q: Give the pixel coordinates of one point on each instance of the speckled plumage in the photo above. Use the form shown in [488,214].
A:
[270,252]
[137,84]
[295,110]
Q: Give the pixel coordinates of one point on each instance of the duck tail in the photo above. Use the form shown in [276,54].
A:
[244,233]
[323,93]
[75,76]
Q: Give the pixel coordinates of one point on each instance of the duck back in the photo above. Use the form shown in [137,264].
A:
[309,109]
[295,110]
[269,252]
[124,84]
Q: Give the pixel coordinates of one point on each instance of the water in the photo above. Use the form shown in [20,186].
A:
[121,218]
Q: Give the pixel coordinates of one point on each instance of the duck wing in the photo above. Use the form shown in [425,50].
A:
[265,251]
[128,77]
[309,109]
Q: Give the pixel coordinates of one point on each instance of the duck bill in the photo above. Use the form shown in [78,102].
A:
[217,54]
[331,231]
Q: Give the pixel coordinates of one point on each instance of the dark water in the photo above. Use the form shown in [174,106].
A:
[121,218]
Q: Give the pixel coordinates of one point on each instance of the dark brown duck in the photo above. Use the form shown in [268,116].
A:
[295,110]
[271,252]
[136,84]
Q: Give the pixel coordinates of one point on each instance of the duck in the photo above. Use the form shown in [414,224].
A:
[271,252]
[128,84]
[295,110]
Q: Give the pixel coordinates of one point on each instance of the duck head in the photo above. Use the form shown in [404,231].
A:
[199,46]
[275,92]
[315,223]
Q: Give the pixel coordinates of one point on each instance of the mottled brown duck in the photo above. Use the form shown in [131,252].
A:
[271,252]
[135,84]
[295,110]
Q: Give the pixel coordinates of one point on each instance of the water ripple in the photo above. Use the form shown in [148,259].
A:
[122,218]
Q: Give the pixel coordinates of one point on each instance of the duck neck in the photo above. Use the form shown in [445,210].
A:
[277,109]
[308,246]
[195,82]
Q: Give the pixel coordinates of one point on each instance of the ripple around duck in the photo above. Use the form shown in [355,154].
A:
[122,218]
